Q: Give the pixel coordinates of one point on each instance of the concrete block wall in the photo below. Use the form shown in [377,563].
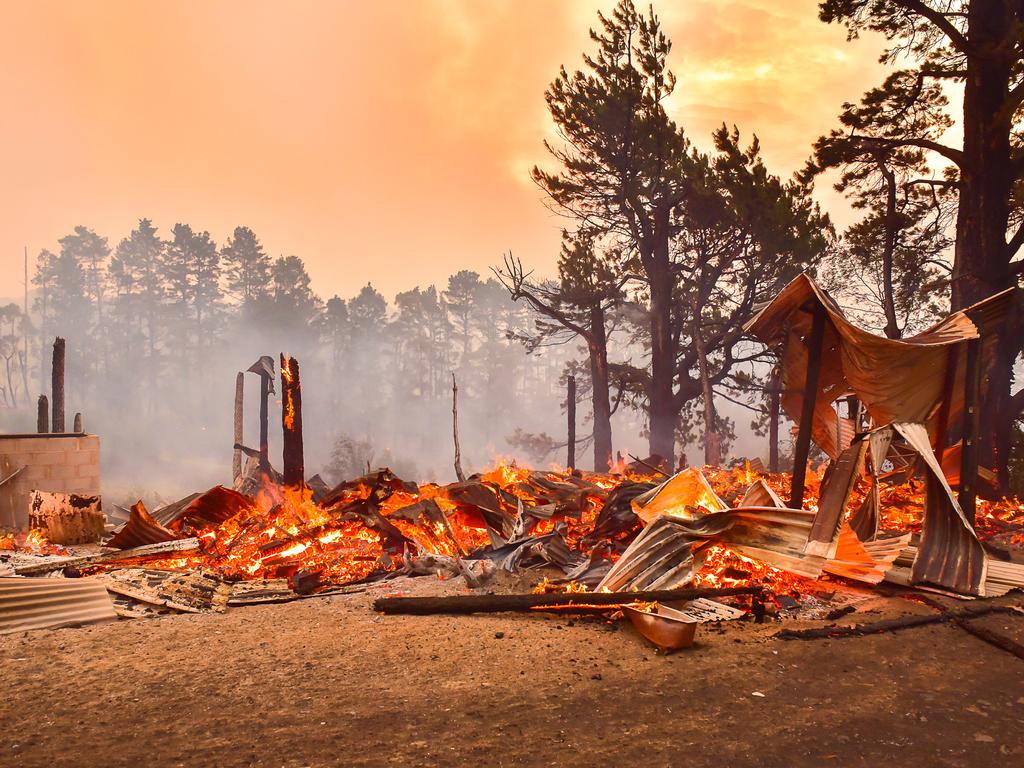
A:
[63,463]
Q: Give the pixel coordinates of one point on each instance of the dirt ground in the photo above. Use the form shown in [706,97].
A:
[326,681]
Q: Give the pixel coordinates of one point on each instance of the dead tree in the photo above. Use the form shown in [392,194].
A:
[291,422]
[236,458]
[43,415]
[580,309]
[57,385]
[455,430]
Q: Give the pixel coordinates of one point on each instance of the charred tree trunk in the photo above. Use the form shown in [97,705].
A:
[291,422]
[987,173]
[712,440]
[662,414]
[570,407]
[57,385]
[599,396]
[43,415]
[892,326]
[236,457]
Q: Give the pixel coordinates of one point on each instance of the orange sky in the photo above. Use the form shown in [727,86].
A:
[380,141]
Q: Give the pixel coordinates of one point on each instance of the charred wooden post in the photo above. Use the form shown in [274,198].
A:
[803,440]
[43,415]
[291,422]
[942,418]
[455,430]
[264,368]
[78,428]
[57,385]
[570,406]
[236,457]
[972,430]
[774,406]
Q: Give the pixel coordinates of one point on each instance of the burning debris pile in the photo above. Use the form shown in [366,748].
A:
[882,510]
[629,534]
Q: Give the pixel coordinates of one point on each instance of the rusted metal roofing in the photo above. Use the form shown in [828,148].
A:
[47,603]
[140,529]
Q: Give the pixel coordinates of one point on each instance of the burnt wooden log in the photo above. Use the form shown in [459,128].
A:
[43,415]
[463,604]
[291,422]
[888,625]
[57,385]
[135,554]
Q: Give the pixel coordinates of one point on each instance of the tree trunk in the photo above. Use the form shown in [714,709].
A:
[599,396]
[712,440]
[980,266]
[892,326]
[662,414]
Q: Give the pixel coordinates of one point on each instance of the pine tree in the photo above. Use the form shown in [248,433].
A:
[192,270]
[247,268]
[624,170]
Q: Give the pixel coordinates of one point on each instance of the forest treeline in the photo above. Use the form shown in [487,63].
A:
[667,251]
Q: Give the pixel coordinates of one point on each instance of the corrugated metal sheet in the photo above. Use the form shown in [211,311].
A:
[140,529]
[45,603]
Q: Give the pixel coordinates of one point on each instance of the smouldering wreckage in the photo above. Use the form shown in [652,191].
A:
[657,548]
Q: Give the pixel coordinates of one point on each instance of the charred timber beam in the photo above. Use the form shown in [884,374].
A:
[135,554]
[239,415]
[57,385]
[264,368]
[291,422]
[803,440]
[43,415]
[972,430]
[463,604]
[570,406]
[774,407]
